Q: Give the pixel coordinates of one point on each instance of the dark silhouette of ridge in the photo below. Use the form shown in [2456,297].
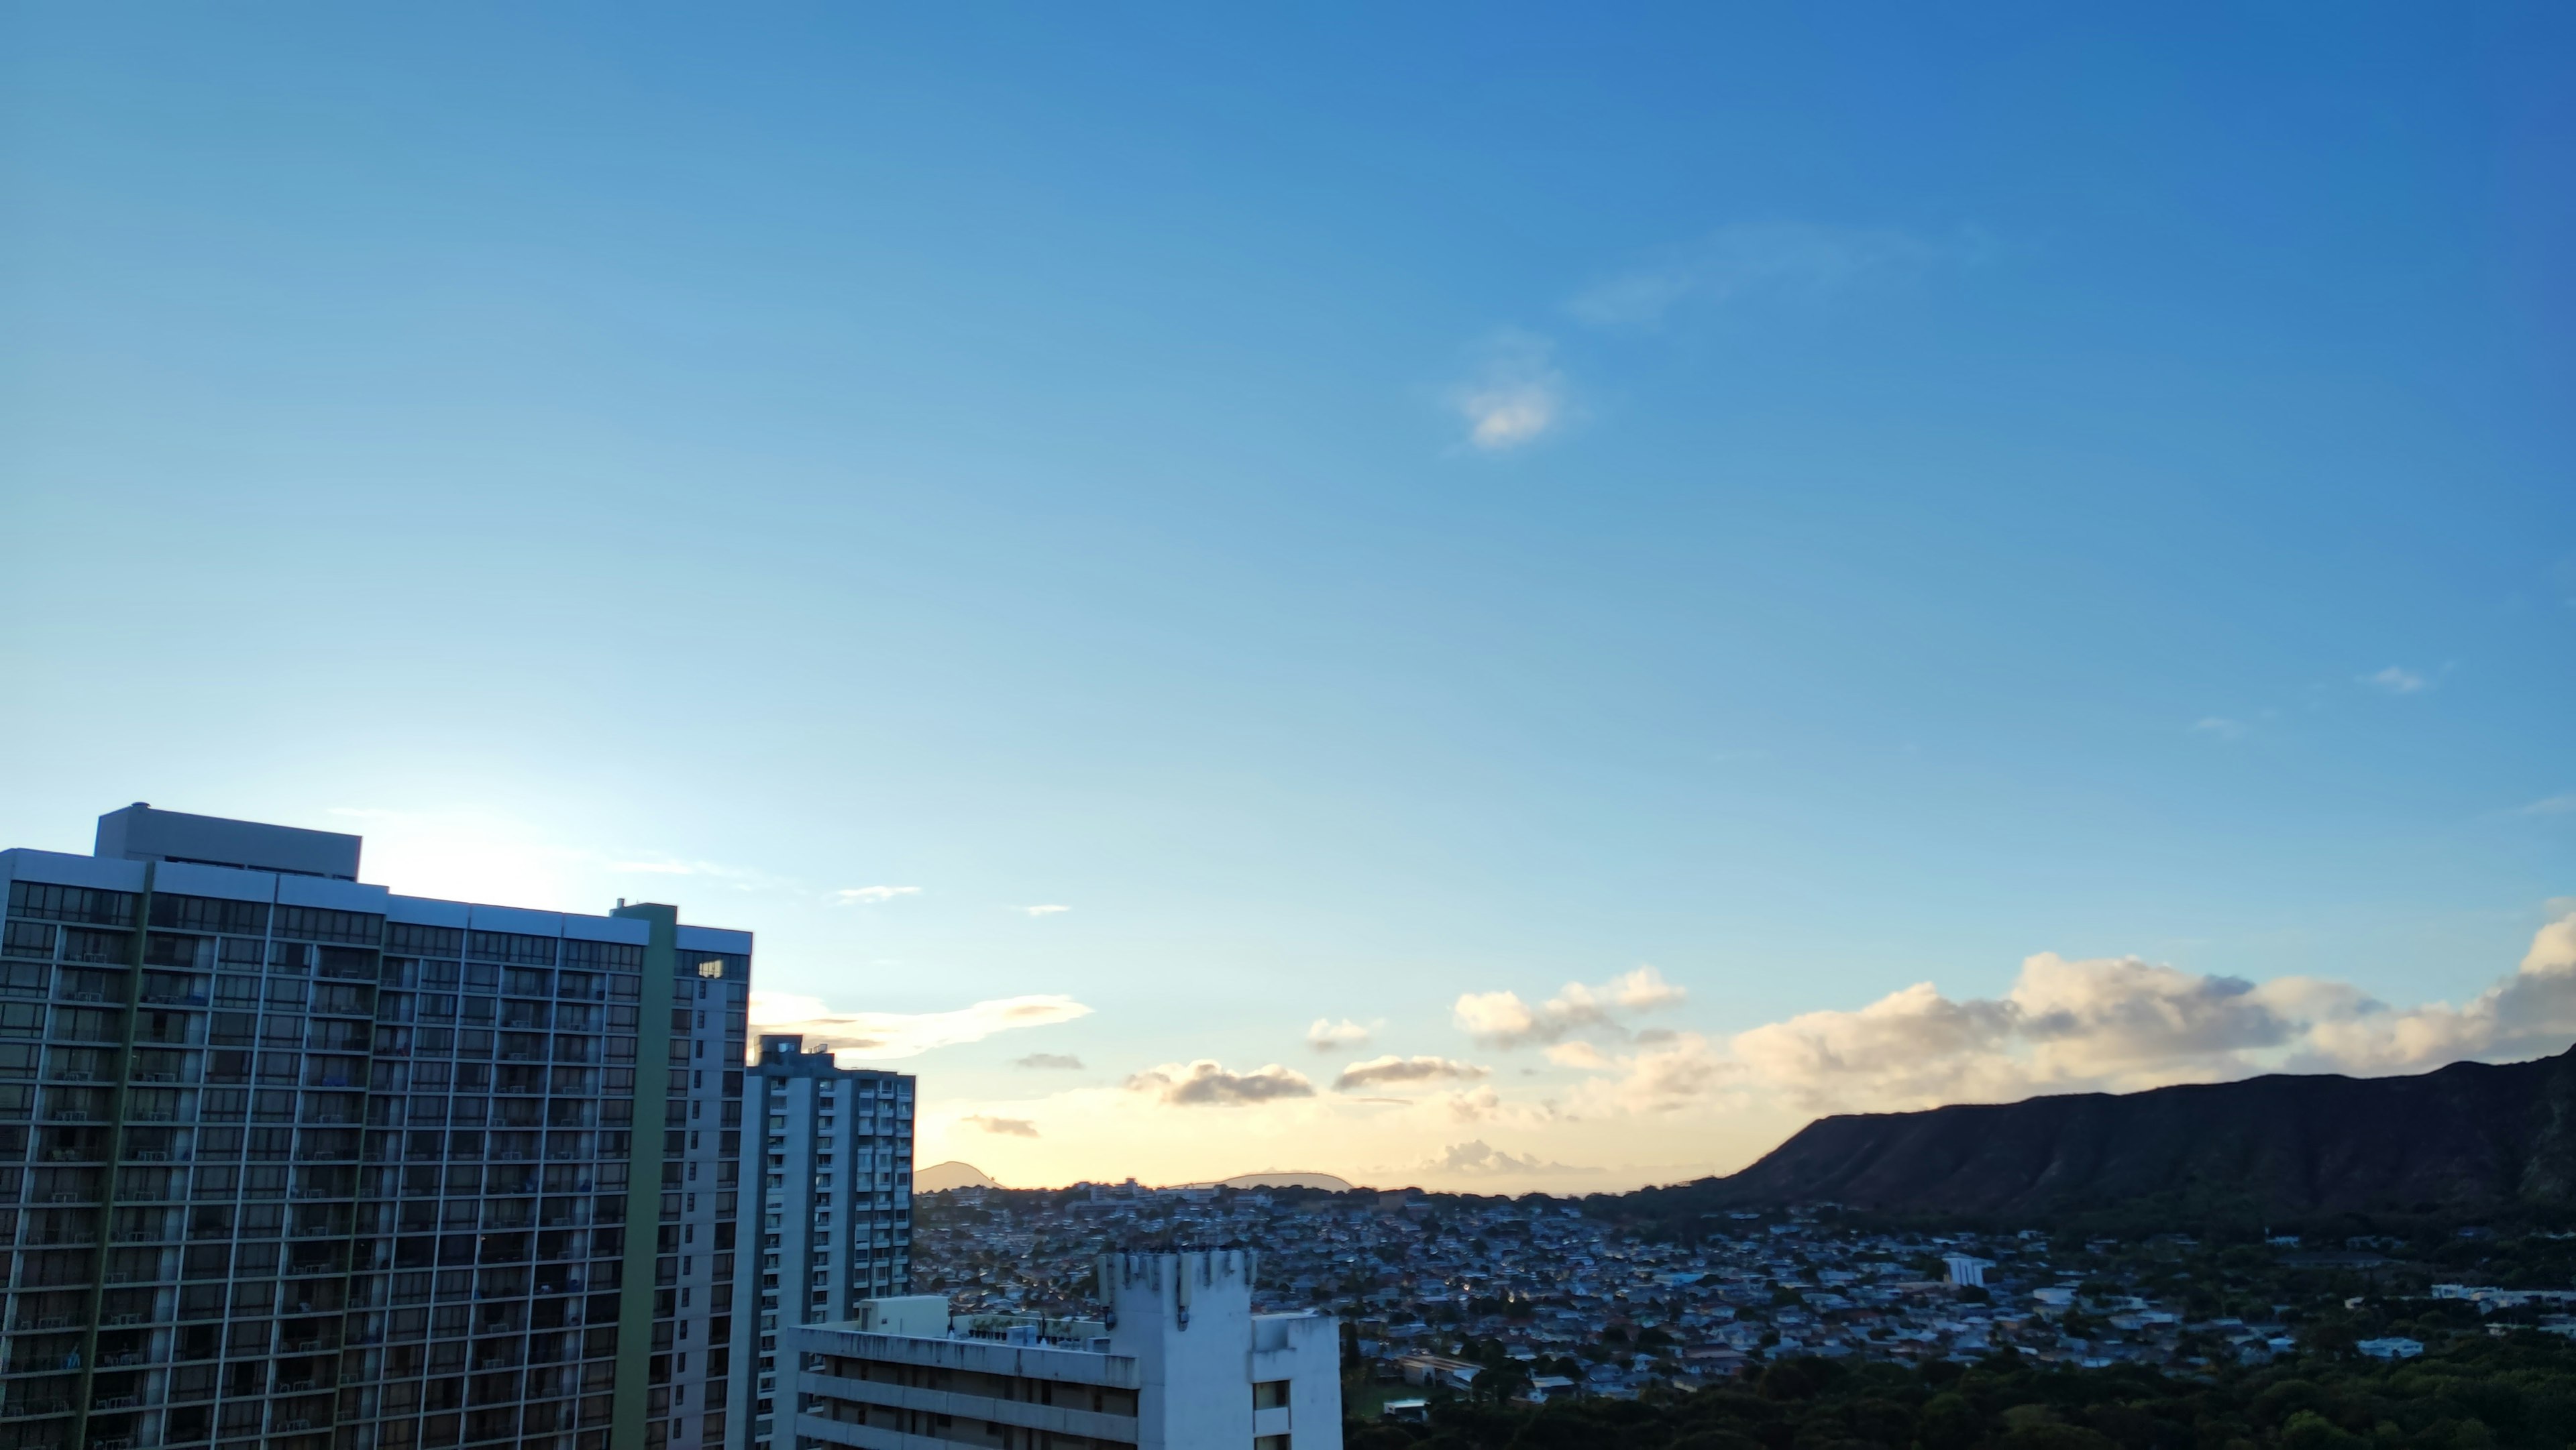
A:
[2468,1139]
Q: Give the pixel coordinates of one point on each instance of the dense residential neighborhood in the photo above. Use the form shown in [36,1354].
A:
[1536,1298]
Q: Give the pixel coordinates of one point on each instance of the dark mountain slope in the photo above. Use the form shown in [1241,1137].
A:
[2468,1138]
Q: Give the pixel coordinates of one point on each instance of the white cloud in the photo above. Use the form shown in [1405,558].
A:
[870,895]
[2106,1024]
[1381,1071]
[2524,1015]
[1643,990]
[1578,1054]
[1330,1036]
[1050,1061]
[1502,1019]
[1046,910]
[1003,1127]
[1515,395]
[882,1035]
[2556,805]
[2219,727]
[1205,1083]
[1747,258]
[1678,1070]
[2395,680]
[1479,1159]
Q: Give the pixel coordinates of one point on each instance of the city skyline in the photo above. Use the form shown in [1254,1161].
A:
[1523,604]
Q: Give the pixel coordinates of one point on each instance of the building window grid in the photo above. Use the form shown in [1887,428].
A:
[272,1359]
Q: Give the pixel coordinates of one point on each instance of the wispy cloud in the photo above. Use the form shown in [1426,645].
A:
[1514,395]
[745,878]
[870,895]
[2556,805]
[1502,1019]
[2218,727]
[1003,1127]
[2396,680]
[1479,1159]
[1328,1035]
[1049,909]
[880,1035]
[1385,1071]
[1745,258]
[1049,1062]
[1205,1083]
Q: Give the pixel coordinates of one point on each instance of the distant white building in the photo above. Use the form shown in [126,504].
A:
[1179,1362]
[1440,1370]
[1967,1270]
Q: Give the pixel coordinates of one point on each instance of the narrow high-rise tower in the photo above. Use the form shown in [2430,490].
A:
[290,1161]
[827,1197]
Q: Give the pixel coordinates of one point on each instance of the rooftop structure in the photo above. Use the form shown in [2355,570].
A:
[1179,1361]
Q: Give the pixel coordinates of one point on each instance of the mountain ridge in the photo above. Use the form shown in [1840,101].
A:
[2470,1138]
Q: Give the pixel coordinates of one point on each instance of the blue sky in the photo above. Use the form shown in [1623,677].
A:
[1369,512]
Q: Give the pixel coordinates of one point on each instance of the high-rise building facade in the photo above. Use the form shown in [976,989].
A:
[827,1186]
[290,1161]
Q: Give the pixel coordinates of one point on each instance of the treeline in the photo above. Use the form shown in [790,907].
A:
[1685,1212]
[2516,1393]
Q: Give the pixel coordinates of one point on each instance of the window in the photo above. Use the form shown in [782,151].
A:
[163,950]
[316,923]
[1270,1442]
[604,956]
[505,946]
[352,965]
[28,939]
[95,946]
[424,941]
[1271,1395]
[47,902]
[210,914]
[721,966]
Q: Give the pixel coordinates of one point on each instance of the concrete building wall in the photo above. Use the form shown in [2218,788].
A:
[1187,1320]
[1180,1363]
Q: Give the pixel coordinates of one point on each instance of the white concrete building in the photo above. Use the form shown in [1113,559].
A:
[1179,1362]
[827,1174]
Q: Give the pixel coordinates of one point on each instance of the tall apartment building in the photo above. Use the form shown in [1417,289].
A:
[1179,1362]
[827,1174]
[290,1161]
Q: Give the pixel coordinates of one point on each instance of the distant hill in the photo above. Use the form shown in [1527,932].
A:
[2471,1138]
[940,1177]
[1281,1180]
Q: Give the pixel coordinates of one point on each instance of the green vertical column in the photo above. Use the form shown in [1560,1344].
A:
[115,1156]
[644,1169]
